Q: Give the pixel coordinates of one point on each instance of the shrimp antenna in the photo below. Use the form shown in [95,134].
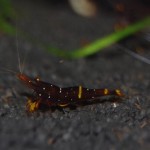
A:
[17,47]
[24,60]
[8,70]
[18,54]
[20,64]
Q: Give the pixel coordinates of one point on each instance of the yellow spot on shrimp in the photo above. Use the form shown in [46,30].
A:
[80,92]
[118,92]
[63,105]
[106,91]
[32,106]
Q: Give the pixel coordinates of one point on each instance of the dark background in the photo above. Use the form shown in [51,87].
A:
[106,125]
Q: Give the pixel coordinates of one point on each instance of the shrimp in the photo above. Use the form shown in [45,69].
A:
[52,95]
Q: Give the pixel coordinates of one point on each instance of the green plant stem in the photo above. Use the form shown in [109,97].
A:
[90,49]
[102,43]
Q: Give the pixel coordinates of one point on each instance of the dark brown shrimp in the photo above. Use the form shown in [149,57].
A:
[53,95]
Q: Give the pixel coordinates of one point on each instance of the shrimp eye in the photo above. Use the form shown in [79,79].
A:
[37,79]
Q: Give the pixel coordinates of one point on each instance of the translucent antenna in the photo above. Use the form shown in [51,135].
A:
[20,64]
[23,64]
[17,46]
[8,70]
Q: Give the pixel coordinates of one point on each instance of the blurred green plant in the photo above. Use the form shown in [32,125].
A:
[7,13]
[101,43]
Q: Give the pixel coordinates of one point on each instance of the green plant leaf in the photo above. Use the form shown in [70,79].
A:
[101,43]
